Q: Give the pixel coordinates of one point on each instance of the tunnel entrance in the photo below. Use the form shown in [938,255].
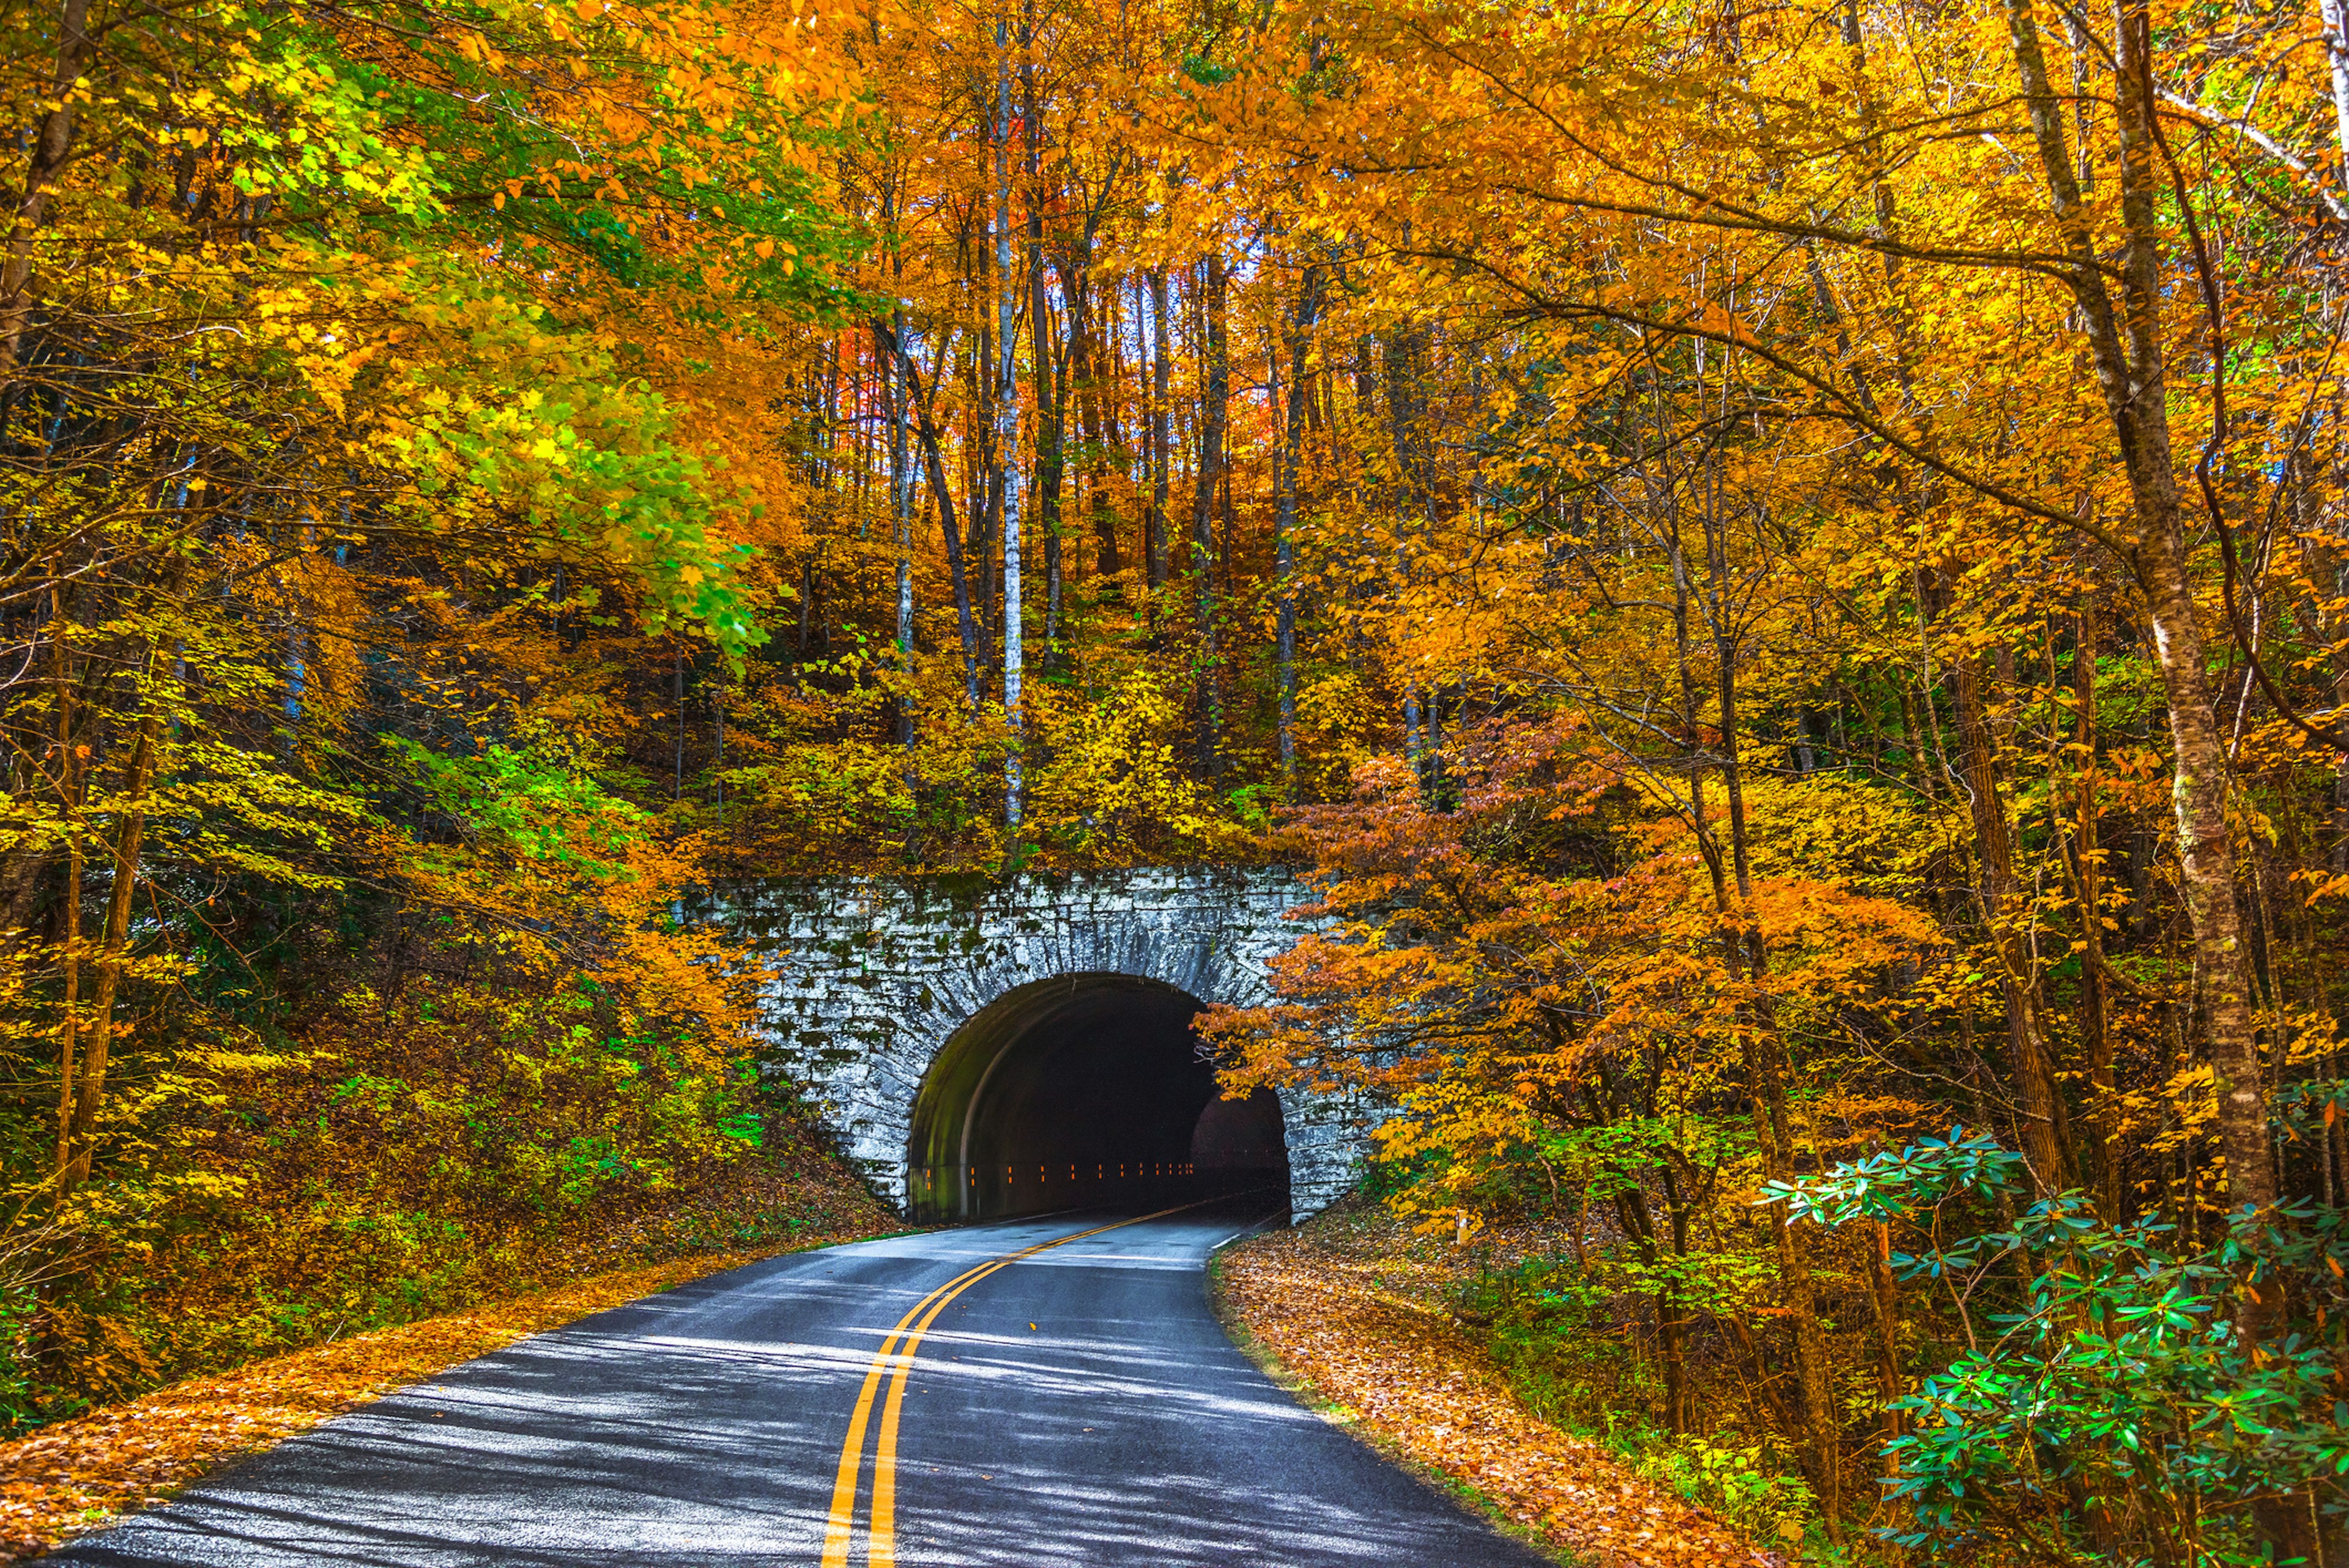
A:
[1078,1091]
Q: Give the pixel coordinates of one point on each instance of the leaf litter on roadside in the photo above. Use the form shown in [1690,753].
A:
[1324,1301]
[78,1475]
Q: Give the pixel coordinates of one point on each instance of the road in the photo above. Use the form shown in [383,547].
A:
[1044,1391]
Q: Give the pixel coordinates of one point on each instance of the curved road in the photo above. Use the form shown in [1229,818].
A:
[1044,1391]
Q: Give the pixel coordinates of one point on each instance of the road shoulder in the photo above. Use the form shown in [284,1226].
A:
[1315,1307]
[76,1476]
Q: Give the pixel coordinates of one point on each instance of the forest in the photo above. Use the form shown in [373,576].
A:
[1783,573]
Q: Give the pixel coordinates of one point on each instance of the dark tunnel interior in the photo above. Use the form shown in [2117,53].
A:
[1083,1091]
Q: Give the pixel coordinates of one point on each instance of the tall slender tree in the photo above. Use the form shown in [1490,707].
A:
[1009,289]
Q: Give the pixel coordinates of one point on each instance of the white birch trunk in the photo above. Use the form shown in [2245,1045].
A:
[1007,414]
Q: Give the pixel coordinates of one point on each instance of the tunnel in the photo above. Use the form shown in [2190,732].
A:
[1084,1091]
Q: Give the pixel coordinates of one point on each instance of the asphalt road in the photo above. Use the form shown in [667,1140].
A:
[1077,1405]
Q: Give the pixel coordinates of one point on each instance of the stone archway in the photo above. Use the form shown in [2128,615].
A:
[879,979]
[1074,1091]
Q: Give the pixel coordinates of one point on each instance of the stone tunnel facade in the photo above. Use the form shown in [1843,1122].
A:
[876,976]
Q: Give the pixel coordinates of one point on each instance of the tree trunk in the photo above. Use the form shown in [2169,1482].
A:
[1765,1053]
[2095,1027]
[1766,1067]
[1085,374]
[2207,874]
[1160,460]
[1400,350]
[70,803]
[965,616]
[1052,389]
[1007,417]
[1673,1315]
[2336,53]
[896,388]
[45,165]
[1214,412]
[986,506]
[89,1090]
[2131,373]
[1284,510]
[2045,1123]
[1885,1294]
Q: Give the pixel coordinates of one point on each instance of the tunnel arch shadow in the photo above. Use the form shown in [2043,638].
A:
[1084,1090]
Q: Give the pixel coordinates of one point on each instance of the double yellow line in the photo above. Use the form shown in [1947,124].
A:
[894,1360]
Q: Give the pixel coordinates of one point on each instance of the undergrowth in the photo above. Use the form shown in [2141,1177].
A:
[1550,1326]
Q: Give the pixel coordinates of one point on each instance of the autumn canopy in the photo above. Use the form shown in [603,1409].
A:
[1782,573]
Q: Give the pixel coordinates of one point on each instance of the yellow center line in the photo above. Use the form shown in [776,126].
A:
[882,1540]
[842,1524]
